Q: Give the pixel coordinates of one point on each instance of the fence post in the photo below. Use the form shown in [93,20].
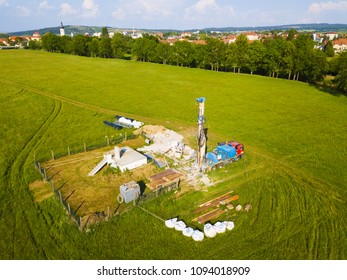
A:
[68,150]
[52,154]
[60,196]
[69,209]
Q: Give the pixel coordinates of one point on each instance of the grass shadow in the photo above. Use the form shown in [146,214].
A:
[70,195]
[143,186]
[329,90]
[62,185]
[79,206]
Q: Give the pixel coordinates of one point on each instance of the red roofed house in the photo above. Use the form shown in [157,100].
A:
[186,34]
[13,38]
[340,45]
[36,36]
[172,40]
[251,36]
[230,39]
[199,42]
[3,42]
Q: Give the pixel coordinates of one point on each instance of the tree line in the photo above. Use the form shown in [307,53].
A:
[293,58]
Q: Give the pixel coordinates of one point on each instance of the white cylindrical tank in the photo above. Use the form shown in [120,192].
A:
[116,153]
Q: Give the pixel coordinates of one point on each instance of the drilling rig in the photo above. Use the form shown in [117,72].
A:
[201,133]
[224,153]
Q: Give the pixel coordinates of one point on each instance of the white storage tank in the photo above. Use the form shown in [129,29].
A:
[130,191]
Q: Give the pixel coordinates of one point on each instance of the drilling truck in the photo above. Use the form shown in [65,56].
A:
[225,153]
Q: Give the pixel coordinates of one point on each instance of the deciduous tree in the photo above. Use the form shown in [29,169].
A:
[163,52]
[215,53]
[241,51]
[256,52]
[119,45]
[104,33]
[50,42]
[302,54]
[105,48]
[182,53]
[329,49]
[80,45]
[231,57]
[341,78]
[94,47]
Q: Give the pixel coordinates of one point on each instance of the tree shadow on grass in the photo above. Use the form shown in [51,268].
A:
[143,186]
[331,91]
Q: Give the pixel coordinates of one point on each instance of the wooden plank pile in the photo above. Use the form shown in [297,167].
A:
[215,213]
[165,178]
[224,199]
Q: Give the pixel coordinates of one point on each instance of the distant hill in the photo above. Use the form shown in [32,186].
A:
[77,29]
[318,27]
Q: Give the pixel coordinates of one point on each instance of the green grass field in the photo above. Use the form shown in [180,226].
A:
[294,174]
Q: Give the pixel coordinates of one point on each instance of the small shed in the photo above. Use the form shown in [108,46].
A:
[129,192]
[127,158]
[169,178]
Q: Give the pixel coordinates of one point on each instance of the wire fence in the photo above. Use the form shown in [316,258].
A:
[75,218]
[97,217]
[83,147]
[71,151]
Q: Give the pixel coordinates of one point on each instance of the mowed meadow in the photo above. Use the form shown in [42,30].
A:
[294,173]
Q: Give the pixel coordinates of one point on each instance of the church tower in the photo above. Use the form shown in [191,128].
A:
[62,30]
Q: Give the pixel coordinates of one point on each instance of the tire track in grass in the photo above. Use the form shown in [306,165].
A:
[14,180]
[314,184]
[112,112]
[60,98]
[89,106]
[304,210]
[321,204]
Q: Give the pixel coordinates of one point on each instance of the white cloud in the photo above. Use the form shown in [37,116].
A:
[209,11]
[148,9]
[155,7]
[67,10]
[90,9]
[43,5]
[4,3]
[204,5]
[175,12]
[119,14]
[23,11]
[317,8]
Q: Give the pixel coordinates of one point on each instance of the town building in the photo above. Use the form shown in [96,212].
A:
[340,45]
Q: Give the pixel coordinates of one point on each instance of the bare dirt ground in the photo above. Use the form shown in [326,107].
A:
[41,190]
[175,147]
[92,194]
[98,194]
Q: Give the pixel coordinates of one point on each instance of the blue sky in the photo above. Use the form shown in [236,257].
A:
[19,15]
